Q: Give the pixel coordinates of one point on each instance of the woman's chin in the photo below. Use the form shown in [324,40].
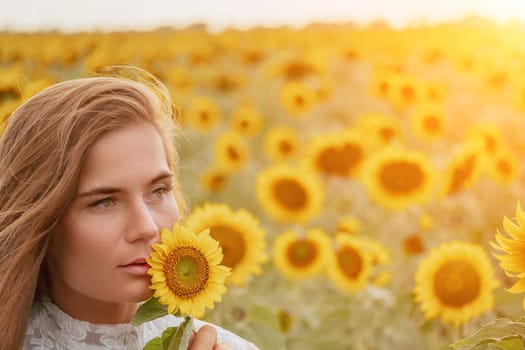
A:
[145,295]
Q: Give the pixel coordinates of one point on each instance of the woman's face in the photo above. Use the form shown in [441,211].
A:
[124,198]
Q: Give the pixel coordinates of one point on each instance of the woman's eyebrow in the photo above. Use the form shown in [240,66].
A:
[99,190]
[110,190]
[163,175]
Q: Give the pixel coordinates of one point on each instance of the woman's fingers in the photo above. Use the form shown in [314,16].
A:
[204,339]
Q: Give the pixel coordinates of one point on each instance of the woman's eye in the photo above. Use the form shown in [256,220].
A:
[103,203]
[161,191]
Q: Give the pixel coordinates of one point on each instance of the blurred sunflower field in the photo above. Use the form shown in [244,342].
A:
[354,177]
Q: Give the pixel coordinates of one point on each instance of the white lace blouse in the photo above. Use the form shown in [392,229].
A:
[51,329]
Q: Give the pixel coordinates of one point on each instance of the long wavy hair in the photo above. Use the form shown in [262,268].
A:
[42,152]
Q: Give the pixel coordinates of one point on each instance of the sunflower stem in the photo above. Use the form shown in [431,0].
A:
[181,338]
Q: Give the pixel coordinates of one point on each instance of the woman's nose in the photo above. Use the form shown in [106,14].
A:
[142,225]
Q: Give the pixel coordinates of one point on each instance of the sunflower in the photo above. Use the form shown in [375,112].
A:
[227,82]
[397,179]
[239,234]
[203,114]
[214,179]
[350,265]
[455,281]
[511,250]
[297,98]
[185,271]
[413,244]
[246,120]
[380,274]
[435,91]
[179,79]
[301,257]
[251,55]
[487,136]
[297,68]
[502,166]
[382,83]
[380,129]
[495,74]
[406,90]
[289,193]
[231,151]
[463,170]
[324,89]
[337,154]
[281,143]
[428,121]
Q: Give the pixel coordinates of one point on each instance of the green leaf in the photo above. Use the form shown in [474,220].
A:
[181,338]
[501,332]
[167,336]
[154,344]
[148,311]
[515,343]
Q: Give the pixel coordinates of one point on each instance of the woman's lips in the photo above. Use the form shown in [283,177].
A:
[138,266]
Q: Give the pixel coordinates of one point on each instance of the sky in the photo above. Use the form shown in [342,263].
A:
[87,15]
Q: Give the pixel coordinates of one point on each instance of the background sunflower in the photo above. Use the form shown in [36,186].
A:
[455,282]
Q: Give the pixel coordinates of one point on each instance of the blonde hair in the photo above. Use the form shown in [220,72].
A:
[41,155]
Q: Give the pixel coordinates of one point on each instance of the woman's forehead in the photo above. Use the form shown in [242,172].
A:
[136,150]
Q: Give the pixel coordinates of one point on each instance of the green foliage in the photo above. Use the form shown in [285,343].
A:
[499,334]
[173,338]
[148,311]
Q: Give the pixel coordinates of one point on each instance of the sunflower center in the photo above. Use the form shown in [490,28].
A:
[297,70]
[232,244]
[204,116]
[232,153]
[457,283]
[285,147]
[401,177]
[462,173]
[407,92]
[290,194]
[432,123]
[490,143]
[350,262]
[187,272]
[383,88]
[504,167]
[217,182]
[386,134]
[244,124]
[301,253]
[413,245]
[299,100]
[339,162]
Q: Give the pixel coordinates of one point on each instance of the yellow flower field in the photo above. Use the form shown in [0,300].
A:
[354,177]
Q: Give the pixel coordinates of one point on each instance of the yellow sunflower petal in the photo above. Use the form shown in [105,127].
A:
[518,287]
[513,229]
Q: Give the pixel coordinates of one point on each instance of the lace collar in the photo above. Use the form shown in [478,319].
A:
[50,328]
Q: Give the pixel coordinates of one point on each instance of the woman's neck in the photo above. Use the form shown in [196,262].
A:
[95,311]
